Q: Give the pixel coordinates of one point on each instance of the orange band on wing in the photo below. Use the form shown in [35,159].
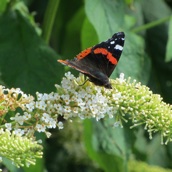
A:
[83,53]
[109,55]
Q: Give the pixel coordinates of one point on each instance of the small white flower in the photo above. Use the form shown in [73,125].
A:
[19,132]
[18,118]
[116,124]
[82,93]
[60,125]
[39,141]
[80,102]
[18,91]
[45,117]
[75,110]
[58,107]
[66,99]
[56,96]
[2,131]
[39,96]
[94,109]
[41,105]
[45,97]
[26,116]
[116,96]
[69,76]
[121,77]
[40,127]
[48,134]
[30,107]
[51,123]
[67,109]
[8,126]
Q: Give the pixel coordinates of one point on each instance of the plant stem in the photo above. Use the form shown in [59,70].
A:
[151,24]
[49,19]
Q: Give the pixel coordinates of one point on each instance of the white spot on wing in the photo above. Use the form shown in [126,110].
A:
[112,42]
[118,47]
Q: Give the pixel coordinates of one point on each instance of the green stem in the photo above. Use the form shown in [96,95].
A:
[151,24]
[49,18]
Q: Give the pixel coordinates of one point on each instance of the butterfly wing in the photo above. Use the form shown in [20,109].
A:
[103,56]
[95,76]
[99,61]
[107,54]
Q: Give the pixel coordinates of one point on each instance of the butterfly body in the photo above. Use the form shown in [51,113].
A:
[99,61]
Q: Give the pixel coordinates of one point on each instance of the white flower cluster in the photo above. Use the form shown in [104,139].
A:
[41,114]
[85,101]
[71,100]
[75,99]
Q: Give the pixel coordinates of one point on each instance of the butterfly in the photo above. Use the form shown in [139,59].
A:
[98,62]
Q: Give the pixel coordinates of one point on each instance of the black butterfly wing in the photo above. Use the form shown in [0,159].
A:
[102,57]
[106,54]
[84,66]
[98,62]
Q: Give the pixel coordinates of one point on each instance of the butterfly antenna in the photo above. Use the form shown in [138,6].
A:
[84,82]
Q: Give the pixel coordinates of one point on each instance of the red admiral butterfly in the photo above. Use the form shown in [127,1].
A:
[99,61]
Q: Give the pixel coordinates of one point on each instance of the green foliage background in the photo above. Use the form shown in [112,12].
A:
[35,33]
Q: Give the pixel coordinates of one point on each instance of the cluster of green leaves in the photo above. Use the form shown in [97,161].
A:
[28,60]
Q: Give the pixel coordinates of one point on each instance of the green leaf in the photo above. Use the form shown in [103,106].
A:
[3,4]
[61,29]
[38,167]
[130,21]
[9,165]
[71,42]
[152,152]
[89,35]
[169,43]
[49,18]
[25,60]
[135,166]
[129,2]
[133,61]
[156,153]
[98,147]
[106,16]
[156,40]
